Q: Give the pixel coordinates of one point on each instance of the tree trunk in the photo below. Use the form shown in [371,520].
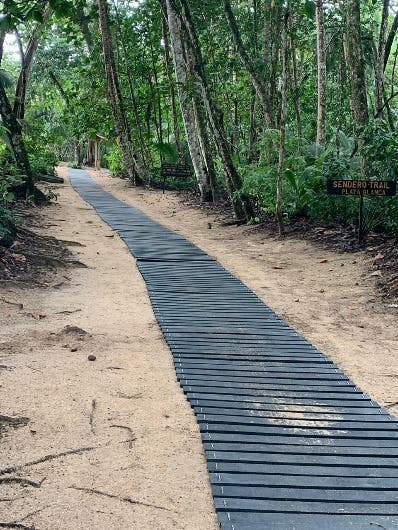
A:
[379,66]
[2,37]
[322,79]
[14,134]
[26,65]
[355,65]
[204,141]
[176,125]
[187,109]
[296,97]
[241,203]
[390,39]
[248,64]
[283,119]
[122,126]
[272,48]
[85,29]
[145,154]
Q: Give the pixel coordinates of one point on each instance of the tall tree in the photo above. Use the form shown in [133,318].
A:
[177,38]
[355,66]
[27,57]
[322,81]
[253,74]
[379,64]
[122,126]
[282,127]
[241,203]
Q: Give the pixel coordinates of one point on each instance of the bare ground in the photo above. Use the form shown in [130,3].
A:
[135,457]
[111,443]
[329,296]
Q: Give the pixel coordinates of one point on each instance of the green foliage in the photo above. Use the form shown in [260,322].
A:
[169,152]
[114,159]
[42,160]
[8,178]
[7,227]
[380,150]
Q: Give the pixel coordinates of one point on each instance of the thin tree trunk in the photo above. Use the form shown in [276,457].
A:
[187,109]
[26,65]
[296,97]
[2,37]
[248,63]
[203,137]
[60,88]
[253,154]
[390,39]
[355,68]
[283,119]
[145,154]
[122,126]
[241,203]
[176,125]
[156,94]
[321,59]
[85,29]
[272,48]
[14,134]
[379,67]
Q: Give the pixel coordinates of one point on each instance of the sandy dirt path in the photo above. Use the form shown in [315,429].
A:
[329,297]
[139,462]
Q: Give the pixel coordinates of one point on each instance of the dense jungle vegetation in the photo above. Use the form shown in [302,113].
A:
[264,99]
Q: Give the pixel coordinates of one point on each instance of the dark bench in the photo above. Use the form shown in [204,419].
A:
[175,170]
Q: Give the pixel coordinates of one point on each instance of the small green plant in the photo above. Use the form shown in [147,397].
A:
[8,228]
[115,162]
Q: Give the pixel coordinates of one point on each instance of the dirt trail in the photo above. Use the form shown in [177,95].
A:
[329,297]
[139,462]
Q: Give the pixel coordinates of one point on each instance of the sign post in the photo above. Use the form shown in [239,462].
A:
[361,189]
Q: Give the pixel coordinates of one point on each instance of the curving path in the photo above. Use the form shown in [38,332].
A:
[291,442]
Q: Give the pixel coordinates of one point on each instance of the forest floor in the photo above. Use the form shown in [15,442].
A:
[112,443]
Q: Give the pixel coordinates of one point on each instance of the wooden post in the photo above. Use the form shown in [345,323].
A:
[361,219]
[97,151]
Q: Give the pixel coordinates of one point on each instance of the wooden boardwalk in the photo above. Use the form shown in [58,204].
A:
[290,441]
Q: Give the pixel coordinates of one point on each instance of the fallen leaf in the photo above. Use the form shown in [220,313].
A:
[18,257]
[379,256]
[277,267]
[376,273]
[324,261]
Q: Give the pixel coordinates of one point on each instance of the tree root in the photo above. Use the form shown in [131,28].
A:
[16,525]
[20,480]
[45,259]
[91,419]
[122,499]
[20,306]
[132,438]
[47,458]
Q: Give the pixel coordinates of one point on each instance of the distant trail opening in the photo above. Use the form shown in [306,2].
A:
[290,441]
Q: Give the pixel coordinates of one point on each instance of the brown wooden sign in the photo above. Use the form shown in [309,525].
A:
[371,188]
